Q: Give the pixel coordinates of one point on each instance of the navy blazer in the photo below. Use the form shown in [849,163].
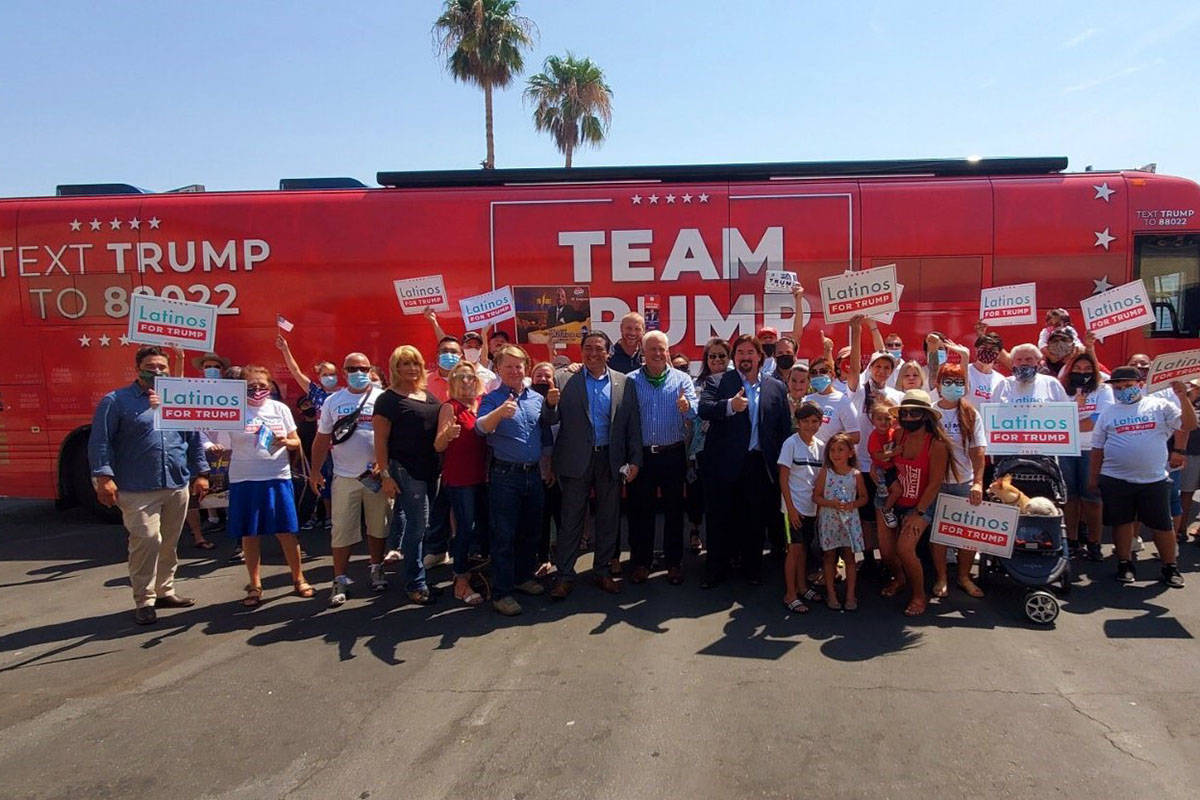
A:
[728,437]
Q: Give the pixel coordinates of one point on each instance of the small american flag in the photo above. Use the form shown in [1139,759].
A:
[283,324]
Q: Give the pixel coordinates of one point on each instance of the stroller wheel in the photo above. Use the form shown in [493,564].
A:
[1041,607]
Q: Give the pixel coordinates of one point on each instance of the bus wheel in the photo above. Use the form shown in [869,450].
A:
[81,486]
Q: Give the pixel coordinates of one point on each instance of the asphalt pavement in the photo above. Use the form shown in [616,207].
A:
[662,692]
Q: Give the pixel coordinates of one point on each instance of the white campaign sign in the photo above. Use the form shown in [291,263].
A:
[198,404]
[1118,309]
[483,309]
[174,323]
[868,291]
[988,527]
[887,318]
[1009,305]
[417,294]
[1173,367]
[779,281]
[1050,429]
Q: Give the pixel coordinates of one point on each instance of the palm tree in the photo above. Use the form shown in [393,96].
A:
[482,41]
[572,102]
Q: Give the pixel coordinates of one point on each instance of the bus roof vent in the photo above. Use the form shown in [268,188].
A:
[189,189]
[89,189]
[299,184]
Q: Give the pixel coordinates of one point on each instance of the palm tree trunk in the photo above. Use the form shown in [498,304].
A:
[569,149]
[487,122]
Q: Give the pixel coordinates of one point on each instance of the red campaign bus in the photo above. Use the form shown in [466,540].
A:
[690,244]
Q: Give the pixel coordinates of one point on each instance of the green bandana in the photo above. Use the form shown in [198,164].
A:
[658,382]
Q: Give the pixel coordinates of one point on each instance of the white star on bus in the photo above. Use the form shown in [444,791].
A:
[154,222]
[85,341]
[670,198]
[115,224]
[75,224]
[687,198]
[653,199]
[1103,192]
[124,340]
[1103,238]
[135,223]
[104,340]
[637,199]
[95,223]
[703,197]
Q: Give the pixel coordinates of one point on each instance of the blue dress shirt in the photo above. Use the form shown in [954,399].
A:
[599,391]
[518,440]
[662,424]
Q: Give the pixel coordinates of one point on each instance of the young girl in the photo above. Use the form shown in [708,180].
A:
[799,461]
[882,445]
[838,493]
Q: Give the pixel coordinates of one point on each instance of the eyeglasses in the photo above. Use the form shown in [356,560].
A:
[822,372]
[912,415]
[954,383]
[464,378]
[356,369]
[718,356]
[255,387]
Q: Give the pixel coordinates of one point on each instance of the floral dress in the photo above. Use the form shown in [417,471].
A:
[840,528]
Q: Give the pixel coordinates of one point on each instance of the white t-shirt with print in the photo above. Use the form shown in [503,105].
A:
[962,457]
[983,384]
[1094,402]
[1042,389]
[248,461]
[353,456]
[803,462]
[837,415]
[1134,438]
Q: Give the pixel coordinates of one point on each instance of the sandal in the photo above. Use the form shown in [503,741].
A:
[915,609]
[893,588]
[303,589]
[695,544]
[940,589]
[970,588]
[204,544]
[832,603]
[812,595]
[850,605]
[464,592]
[253,598]
[797,607]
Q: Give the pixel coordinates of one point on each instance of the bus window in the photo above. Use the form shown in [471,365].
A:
[1170,266]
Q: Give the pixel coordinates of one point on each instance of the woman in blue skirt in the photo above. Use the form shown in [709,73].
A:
[261,501]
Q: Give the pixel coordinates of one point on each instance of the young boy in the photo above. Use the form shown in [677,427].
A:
[799,461]
[882,446]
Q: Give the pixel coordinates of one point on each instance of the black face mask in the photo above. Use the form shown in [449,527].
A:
[768,349]
[540,388]
[1078,380]
[785,361]
[912,425]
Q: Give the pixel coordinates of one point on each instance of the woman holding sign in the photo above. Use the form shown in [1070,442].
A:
[964,428]
[260,482]
[922,464]
[1081,378]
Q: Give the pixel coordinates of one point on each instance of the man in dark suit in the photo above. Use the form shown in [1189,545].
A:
[563,312]
[749,419]
[599,435]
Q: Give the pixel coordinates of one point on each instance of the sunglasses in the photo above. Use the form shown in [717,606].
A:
[356,369]
[822,372]
[912,415]
[718,356]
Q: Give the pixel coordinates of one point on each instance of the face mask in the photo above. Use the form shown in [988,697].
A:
[378,384]
[358,380]
[820,383]
[768,349]
[912,425]
[897,354]
[1078,380]
[472,354]
[986,356]
[257,396]
[329,381]
[212,372]
[147,376]
[448,361]
[540,388]
[1024,374]
[1143,371]
[1059,350]
[937,357]
[953,391]
[785,361]
[1128,395]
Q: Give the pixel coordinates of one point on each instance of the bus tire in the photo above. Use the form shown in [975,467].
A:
[80,476]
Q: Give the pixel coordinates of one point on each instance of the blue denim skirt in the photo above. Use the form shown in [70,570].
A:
[261,508]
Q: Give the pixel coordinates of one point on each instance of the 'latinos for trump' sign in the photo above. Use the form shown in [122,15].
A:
[869,291]
[1009,305]
[417,294]
[988,527]
[173,323]
[1050,429]
[193,404]
[1172,367]
[484,309]
[1119,309]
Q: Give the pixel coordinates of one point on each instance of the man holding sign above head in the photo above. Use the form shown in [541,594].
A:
[145,473]
[1129,468]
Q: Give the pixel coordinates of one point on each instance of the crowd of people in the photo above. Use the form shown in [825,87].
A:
[833,463]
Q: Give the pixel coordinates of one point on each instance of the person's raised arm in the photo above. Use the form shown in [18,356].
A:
[798,317]
[447,428]
[876,336]
[852,376]
[432,317]
[179,358]
[302,380]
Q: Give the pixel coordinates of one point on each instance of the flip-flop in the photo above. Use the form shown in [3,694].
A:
[833,604]
[914,610]
[253,598]
[812,596]
[303,589]
[797,607]
[940,590]
[970,588]
[893,588]
[204,544]
[850,605]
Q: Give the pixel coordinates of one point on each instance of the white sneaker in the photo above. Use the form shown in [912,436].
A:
[378,582]
[392,557]
[1137,544]
[341,588]
[436,560]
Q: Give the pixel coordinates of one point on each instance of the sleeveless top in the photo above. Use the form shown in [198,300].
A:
[913,474]
[464,458]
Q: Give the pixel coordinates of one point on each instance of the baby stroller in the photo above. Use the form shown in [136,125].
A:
[1040,559]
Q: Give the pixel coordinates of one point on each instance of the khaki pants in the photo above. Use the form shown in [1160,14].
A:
[154,520]
[352,502]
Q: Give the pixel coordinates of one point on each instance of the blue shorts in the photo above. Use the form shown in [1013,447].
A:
[261,508]
[1075,471]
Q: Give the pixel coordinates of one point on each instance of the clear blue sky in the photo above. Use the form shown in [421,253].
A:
[238,95]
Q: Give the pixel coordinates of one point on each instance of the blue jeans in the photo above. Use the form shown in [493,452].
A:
[464,501]
[411,514]
[437,533]
[515,501]
[1076,471]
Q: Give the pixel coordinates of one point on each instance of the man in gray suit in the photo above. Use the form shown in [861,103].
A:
[599,441]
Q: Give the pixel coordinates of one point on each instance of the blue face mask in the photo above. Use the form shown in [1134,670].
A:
[1128,395]
[820,383]
[212,372]
[937,357]
[897,354]
[448,361]
[329,381]
[953,391]
[358,380]
[1024,374]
